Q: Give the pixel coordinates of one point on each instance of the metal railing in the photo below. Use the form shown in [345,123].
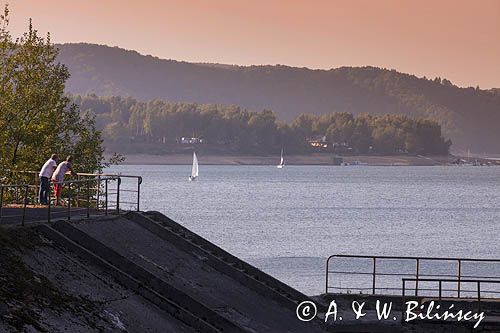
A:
[440,290]
[383,274]
[84,197]
[30,179]
[17,194]
[130,186]
[90,194]
[128,191]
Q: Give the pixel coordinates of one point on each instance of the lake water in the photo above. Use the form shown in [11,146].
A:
[287,222]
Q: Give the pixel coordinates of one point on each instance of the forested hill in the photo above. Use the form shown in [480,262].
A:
[469,116]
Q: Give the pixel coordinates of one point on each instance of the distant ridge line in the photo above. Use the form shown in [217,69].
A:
[469,116]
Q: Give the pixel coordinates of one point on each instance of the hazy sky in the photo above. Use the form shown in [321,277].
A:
[456,39]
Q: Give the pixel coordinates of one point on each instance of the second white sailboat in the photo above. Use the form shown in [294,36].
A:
[194,169]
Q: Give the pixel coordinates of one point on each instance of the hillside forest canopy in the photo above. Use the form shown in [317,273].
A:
[37,118]
[470,116]
[156,126]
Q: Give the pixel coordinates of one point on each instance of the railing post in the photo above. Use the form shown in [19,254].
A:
[1,201]
[37,186]
[24,205]
[416,277]
[88,198]
[479,296]
[69,201]
[50,204]
[403,291]
[98,189]
[118,195]
[326,276]
[106,197]
[440,285]
[374,275]
[459,276]
[77,190]
[139,181]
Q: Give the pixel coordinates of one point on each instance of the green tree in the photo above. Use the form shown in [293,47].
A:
[342,128]
[36,117]
[362,134]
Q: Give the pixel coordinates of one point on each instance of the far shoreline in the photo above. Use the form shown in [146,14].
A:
[313,159]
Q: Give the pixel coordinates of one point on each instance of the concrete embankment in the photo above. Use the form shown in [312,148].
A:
[46,287]
[187,281]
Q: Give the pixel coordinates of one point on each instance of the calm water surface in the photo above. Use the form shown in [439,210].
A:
[287,222]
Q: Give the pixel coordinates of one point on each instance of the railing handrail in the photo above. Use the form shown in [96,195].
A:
[23,171]
[79,181]
[70,181]
[450,280]
[14,185]
[411,258]
[108,174]
[416,260]
[84,174]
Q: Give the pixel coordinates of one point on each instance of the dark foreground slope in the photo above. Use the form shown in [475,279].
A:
[139,273]
[47,288]
[469,116]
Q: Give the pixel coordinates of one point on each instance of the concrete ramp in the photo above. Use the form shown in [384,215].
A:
[168,298]
[221,260]
[187,276]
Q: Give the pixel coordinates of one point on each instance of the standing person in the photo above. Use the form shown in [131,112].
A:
[45,174]
[58,177]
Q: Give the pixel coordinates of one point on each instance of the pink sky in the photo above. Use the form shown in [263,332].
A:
[456,39]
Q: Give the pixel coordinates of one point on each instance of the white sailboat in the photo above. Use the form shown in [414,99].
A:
[282,161]
[194,169]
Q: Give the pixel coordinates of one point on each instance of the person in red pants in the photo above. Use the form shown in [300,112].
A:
[58,177]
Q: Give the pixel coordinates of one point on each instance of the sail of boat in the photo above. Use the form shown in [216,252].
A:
[282,161]
[194,169]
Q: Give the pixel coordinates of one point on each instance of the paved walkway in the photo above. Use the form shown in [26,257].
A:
[14,215]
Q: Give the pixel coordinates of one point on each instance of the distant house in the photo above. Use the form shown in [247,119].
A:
[190,141]
[318,142]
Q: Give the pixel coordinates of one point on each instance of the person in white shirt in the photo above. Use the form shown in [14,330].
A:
[45,174]
[58,177]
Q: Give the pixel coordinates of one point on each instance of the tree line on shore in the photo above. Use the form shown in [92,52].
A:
[468,116]
[127,121]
